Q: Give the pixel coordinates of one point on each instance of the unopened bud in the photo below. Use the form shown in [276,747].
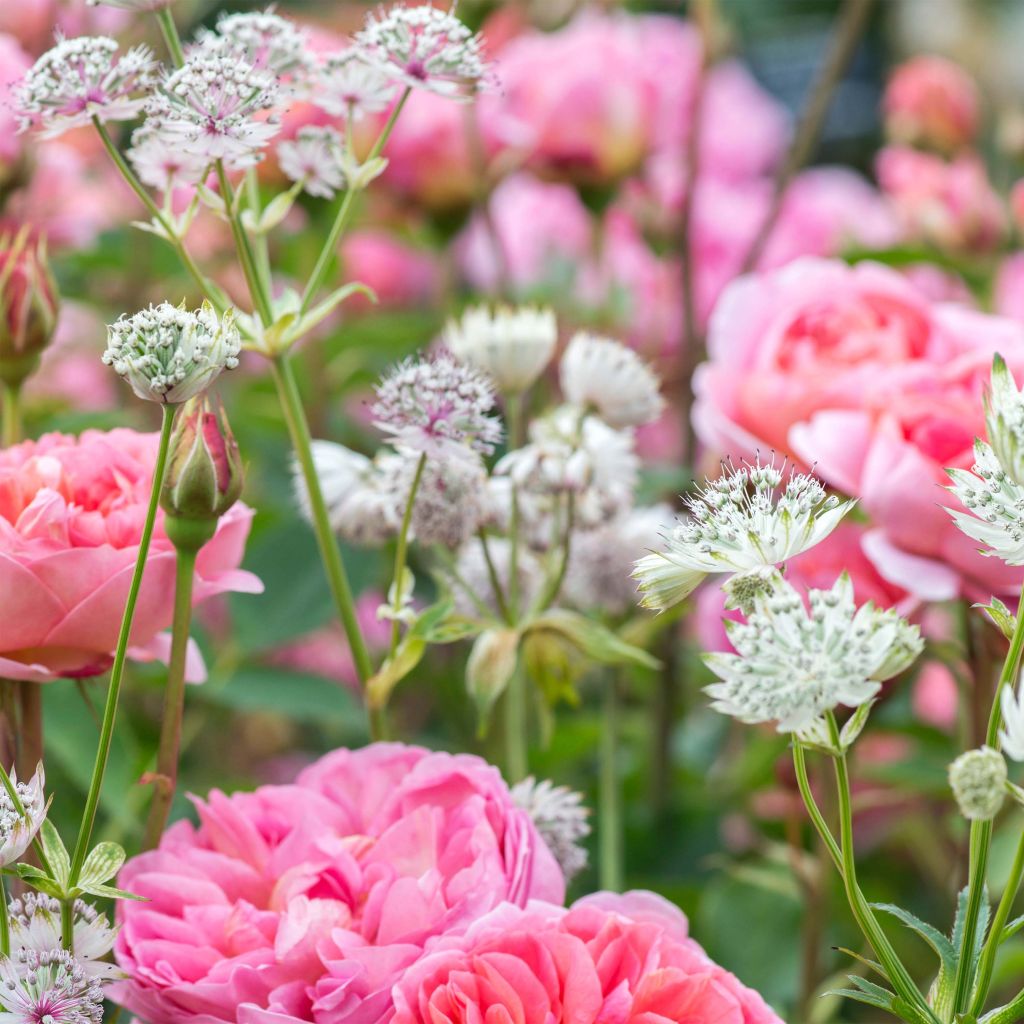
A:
[978,781]
[28,305]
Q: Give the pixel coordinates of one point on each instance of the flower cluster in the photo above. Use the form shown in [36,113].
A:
[49,986]
[561,819]
[263,40]
[19,824]
[313,160]
[351,86]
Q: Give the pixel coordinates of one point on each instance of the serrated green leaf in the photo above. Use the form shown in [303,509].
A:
[110,892]
[102,864]
[878,1002]
[940,944]
[872,965]
[56,853]
[38,880]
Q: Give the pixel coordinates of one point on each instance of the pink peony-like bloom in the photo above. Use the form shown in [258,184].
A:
[399,274]
[309,902]
[71,515]
[609,959]
[930,101]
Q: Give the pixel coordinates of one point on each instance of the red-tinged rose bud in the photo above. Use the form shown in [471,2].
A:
[204,473]
[29,303]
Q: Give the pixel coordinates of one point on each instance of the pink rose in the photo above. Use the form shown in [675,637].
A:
[399,274]
[14,62]
[610,959]
[930,101]
[308,902]
[71,515]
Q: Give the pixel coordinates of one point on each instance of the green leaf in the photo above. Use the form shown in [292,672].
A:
[102,864]
[871,965]
[110,892]
[1012,928]
[943,947]
[597,642]
[490,666]
[56,853]
[38,880]
[1001,616]
[394,670]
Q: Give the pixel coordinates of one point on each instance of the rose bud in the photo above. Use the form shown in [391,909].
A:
[28,306]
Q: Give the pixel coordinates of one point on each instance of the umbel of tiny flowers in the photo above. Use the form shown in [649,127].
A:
[313,160]
[612,379]
[1004,420]
[438,407]
[161,163]
[512,346]
[50,987]
[262,39]
[82,79]
[36,927]
[561,819]
[425,48]
[750,518]
[978,780]
[793,664]
[169,354]
[19,824]
[994,503]
[350,86]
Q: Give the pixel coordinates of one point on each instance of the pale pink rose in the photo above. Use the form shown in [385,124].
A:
[1009,288]
[71,515]
[610,959]
[309,902]
[399,274]
[949,203]
[930,101]
[14,62]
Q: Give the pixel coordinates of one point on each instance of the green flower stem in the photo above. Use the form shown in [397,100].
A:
[117,672]
[171,37]
[298,427]
[817,818]
[345,210]
[1011,1013]
[174,698]
[12,414]
[495,580]
[5,924]
[995,934]
[252,198]
[898,975]
[517,726]
[446,558]
[609,833]
[981,831]
[515,409]
[401,554]
[554,587]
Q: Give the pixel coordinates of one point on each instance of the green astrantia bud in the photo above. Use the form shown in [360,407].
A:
[28,305]
[204,473]
[1004,420]
[978,781]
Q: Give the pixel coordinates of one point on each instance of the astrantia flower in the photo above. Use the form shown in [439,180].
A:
[36,928]
[161,163]
[603,374]
[264,40]
[978,780]
[313,158]
[512,346]
[349,86]
[474,576]
[748,518]
[792,665]
[83,78]
[19,827]
[995,506]
[437,406]
[1011,736]
[426,48]
[168,354]
[211,108]
[1004,420]
[48,988]
[561,819]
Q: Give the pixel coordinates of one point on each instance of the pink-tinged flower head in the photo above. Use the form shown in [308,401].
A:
[350,86]
[81,79]
[930,101]
[313,159]
[51,987]
[161,163]
[310,901]
[71,516]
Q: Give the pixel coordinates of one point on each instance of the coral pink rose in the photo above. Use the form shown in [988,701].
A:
[71,515]
[610,959]
[930,101]
[399,274]
[308,902]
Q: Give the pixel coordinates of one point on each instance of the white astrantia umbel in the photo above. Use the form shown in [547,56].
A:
[792,664]
[424,48]
[264,40]
[19,824]
[561,818]
[994,503]
[1011,736]
[313,159]
[350,86]
[1004,420]
[978,780]
[215,108]
[604,375]
[161,164]
[751,517]
[169,354]
[82,79]
[36,927]
[512,346]
[50,987]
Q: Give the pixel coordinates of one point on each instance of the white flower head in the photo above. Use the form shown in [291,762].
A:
[792,664]
[161,164]
[612,379]
[512,346]
[425,48]
[437,406]
[561,818]
[18,826]
[1011,736]
[1004,420]
[264,40]
[36,927]
[994,503]
[168,354]
[750,517]
[50,987]
[350,86]
[81,79]
[214,108]
[313,158]
[978,780]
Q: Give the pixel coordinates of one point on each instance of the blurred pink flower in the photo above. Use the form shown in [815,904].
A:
[400,274]
[14,62]
[308,902]
[936,697]
[622,958]
[1009,288]
[71,515]
[932,102]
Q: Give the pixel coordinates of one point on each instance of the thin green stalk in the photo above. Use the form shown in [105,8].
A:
[495,579]
[252,198]
[67,925]
[445,556]
[341,218]
[401,553]
[609,834]
[171,37]
[174,701]
[517,759]
[554,587]
[117,672]
[995,935]
[12,414]
[817,818]
[5,924]
[515,410]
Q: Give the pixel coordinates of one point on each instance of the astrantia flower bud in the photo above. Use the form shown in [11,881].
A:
[561,819]
[978,781]
[168,354]
[18,827]
[1004,420]
[28,306]
[204,470]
